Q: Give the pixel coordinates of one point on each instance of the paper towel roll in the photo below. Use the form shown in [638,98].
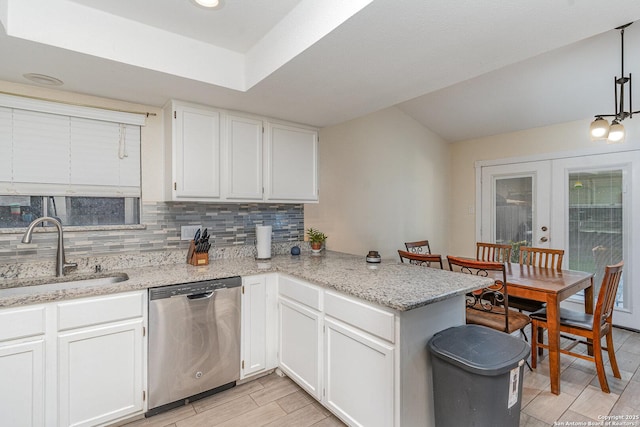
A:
[263,241]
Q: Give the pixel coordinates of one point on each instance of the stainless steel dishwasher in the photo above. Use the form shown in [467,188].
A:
[194,341]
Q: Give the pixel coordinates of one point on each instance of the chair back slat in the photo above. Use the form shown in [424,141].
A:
[493,252]
[607,295]
[420,259]
[490,296]
[541,257]
[419,247]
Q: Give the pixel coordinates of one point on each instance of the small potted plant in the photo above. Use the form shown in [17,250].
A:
[316,239]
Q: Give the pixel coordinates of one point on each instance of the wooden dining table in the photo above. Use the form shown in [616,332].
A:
[550,286]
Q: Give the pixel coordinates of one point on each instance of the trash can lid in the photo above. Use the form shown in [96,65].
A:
[479,349]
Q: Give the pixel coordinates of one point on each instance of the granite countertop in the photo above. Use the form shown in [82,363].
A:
[390,284]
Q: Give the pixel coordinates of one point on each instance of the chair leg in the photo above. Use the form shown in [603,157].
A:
[534,344]
[540,339]
[612,354]
[597,355]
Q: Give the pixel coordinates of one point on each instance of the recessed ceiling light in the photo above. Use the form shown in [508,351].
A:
[207,3]
[42,79]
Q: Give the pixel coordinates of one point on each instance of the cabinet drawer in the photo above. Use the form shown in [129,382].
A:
[93,311]
[361,315]
[299,291]
[22,322]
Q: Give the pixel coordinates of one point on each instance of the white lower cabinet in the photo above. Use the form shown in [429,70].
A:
[300,332]
[358,376]
[300,345]
[259,344]
[360,361]
[340,350]
[100,373]
[22,366]
[101,358]
[22,386]
[73,363]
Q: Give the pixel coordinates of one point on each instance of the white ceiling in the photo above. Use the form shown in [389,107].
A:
[463,68]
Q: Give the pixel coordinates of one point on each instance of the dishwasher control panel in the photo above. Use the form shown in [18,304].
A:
[194,288]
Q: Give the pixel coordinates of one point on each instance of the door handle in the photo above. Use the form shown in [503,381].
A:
[543,239]
[204,295]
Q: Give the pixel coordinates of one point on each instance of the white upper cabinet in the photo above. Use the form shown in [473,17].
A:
[195,152]
[214,155]
[291,163]
[243,158]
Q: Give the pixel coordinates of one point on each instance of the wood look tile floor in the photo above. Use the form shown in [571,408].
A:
[276,401]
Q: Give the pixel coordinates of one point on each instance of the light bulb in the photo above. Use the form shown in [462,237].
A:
[616,133]
[599,129]
[208,3]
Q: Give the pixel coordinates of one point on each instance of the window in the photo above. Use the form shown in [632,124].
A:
[19,211]
[79,164]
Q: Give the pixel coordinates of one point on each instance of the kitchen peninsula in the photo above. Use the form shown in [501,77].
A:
[352,334]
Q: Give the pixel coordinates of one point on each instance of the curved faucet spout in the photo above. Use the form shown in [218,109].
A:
[61,262]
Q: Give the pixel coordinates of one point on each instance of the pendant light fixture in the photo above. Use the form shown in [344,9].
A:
[600,128]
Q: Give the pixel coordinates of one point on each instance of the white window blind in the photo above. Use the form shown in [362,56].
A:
[45,153]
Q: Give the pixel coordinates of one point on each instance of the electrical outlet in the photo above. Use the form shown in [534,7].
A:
[188,231]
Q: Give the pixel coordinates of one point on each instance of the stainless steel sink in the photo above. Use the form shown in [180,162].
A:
[94,281]
[64,282]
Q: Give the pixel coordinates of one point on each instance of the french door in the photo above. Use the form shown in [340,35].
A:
[582,204]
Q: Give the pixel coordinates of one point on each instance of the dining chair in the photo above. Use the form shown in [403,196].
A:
[493,252]
[489,306]
[590,327]
[420,259]
[419,247]
[537,257]
[541,257]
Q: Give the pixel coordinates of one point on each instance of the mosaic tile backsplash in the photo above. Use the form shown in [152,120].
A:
[230,225]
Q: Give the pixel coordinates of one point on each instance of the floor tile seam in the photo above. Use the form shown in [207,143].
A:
[298,408]
[220,403]
[537,419]
[266,402]
[175,423]
[573,400]
[244,414]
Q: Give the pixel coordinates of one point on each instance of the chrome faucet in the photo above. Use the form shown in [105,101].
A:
[61,262]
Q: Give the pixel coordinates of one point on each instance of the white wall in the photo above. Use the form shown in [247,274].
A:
[151,137]
[570,137]
[383,181]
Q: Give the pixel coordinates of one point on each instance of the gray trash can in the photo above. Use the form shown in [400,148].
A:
[477,376]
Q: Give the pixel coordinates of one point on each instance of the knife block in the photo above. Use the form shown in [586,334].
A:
[196,258]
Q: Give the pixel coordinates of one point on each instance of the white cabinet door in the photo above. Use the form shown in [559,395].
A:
[100,372]
[291,163]
[358,376]
[22,383]
[254,325]
[300,345]
[196,152]
[242,168]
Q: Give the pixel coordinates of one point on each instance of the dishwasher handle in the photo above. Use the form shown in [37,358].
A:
[204,295]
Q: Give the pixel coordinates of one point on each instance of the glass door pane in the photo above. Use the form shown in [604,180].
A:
[515,205]
[593,209]
[514,212]
[596,223]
